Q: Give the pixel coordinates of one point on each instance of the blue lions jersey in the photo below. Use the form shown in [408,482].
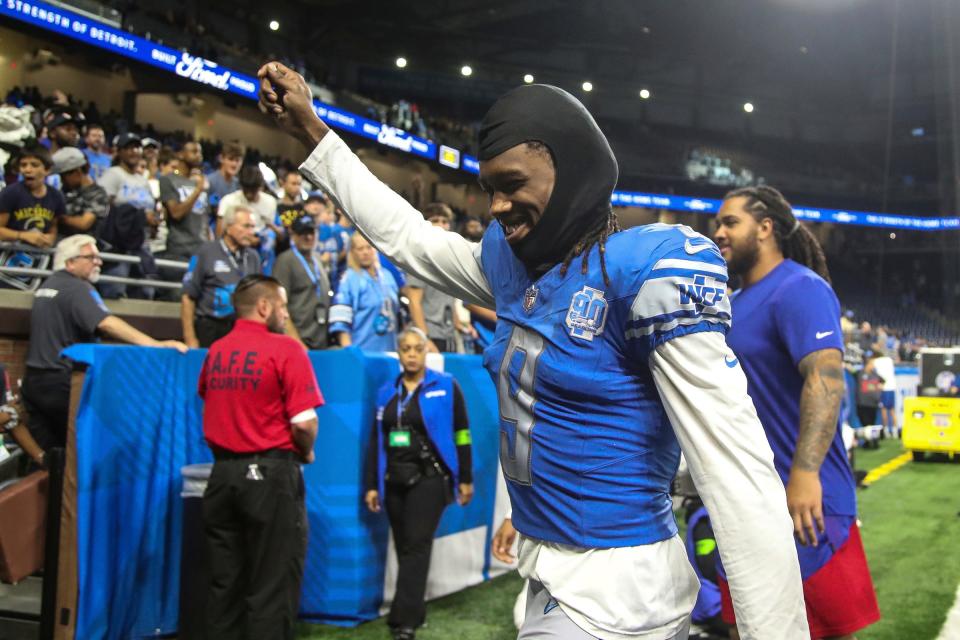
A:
[585,443]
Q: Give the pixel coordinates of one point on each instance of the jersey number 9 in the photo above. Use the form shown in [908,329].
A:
[518,371]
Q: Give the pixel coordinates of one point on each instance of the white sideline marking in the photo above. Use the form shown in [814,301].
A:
[951,627]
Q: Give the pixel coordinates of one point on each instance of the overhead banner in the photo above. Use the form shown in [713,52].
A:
[835,216]
[214,76]
[132,439]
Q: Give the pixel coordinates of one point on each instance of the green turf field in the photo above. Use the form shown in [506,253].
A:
[909,521]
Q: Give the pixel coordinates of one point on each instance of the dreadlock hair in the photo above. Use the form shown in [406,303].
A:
[793,239]
[597,236]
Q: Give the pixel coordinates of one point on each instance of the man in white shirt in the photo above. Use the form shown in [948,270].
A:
[594,398]
[888,399]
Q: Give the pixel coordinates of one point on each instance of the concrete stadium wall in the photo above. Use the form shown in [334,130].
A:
[105,86]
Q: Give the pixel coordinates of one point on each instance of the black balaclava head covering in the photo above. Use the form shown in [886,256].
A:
[585,165]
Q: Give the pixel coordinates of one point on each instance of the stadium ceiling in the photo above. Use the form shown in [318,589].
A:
[794,54]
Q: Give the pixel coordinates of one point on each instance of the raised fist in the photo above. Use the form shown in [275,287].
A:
[285,96]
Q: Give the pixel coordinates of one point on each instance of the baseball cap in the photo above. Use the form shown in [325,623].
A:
[65,117]
[150,142]
[68,159]
[317,196]
[126,139]
[304,224]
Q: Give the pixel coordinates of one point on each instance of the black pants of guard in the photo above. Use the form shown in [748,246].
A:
[46,397]
[209,330]
[255,524]
[445,346]
[414,514]
[867,415]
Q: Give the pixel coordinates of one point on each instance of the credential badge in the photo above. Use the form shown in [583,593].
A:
[530,297]
[587,314]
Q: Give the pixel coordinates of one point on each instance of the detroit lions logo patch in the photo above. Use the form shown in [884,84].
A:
[587,314]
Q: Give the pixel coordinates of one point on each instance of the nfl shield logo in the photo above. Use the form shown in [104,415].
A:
[530,298]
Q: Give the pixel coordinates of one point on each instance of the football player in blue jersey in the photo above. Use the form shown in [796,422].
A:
[788,339]
[609,356]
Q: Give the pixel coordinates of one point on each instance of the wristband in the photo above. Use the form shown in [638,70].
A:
[14,417]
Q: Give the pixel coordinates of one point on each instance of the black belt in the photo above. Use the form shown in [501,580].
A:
[272,454]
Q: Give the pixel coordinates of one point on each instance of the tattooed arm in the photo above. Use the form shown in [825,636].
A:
[820,400]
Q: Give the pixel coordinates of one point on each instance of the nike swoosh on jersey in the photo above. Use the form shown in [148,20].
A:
[689,247]
[823,334]
[730,363]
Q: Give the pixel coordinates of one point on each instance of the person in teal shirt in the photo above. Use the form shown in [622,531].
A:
[364,311]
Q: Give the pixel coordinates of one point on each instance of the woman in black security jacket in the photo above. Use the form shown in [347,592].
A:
[420,460]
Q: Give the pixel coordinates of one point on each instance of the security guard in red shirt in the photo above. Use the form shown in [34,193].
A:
[259,419]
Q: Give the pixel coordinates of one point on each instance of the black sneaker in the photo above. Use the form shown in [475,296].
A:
[403,633]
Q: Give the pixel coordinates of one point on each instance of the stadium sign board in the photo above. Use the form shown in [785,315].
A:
[185,65]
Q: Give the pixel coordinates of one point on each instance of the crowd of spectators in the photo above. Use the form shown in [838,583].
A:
[202,222]
[864,341]
[182,188]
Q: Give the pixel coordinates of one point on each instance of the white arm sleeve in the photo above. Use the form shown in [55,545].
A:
[731,464]
[444,259]
[304,416]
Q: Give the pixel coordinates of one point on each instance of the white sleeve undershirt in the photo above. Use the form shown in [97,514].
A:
[444,259]
[731,464]
[304,416]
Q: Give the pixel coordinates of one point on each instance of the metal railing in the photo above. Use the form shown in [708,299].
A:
[107,257]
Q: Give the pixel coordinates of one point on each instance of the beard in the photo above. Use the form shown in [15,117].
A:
[743,255]
[94,276]
[275,324]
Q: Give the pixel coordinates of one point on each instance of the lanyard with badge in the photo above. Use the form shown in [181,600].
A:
[313,274]
[233,260]
[384,321]
[399,435]
[222,295]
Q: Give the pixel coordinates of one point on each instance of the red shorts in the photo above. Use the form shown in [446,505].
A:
[840,598]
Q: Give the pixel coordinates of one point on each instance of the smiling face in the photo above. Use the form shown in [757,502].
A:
[230,164]
[519,182]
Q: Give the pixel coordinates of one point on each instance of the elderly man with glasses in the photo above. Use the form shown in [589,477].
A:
[67,310]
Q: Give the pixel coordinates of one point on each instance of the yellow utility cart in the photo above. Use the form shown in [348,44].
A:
[931,425]
[931,421]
